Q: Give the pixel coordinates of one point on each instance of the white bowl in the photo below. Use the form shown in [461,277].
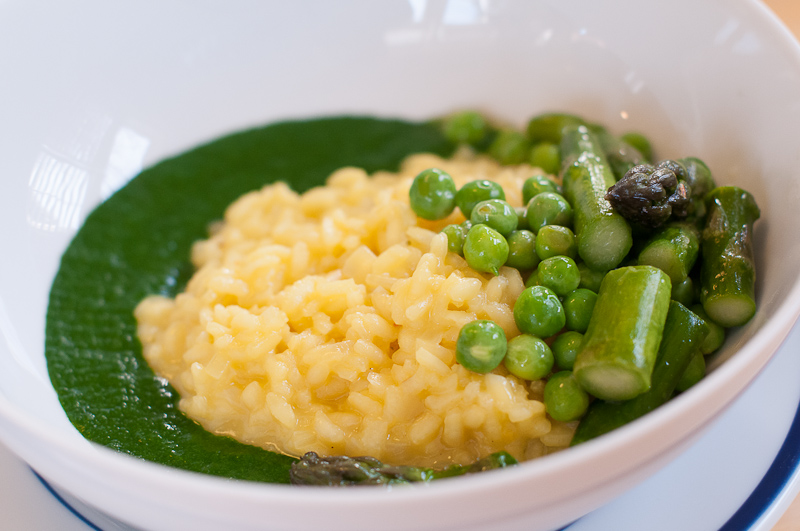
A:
[92,92]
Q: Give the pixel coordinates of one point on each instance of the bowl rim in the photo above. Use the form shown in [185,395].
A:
[740,368]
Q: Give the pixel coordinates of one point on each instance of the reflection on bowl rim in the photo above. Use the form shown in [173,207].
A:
[732,377]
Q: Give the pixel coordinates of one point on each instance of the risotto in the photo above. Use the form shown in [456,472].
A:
[327,322]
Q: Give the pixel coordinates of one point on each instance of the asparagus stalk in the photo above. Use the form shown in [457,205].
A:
[604,236]
[619,349]
[590,279]
[549,127]
[684,292]
[695,371]
[673,249]
[716,333]
[683,333]
[621,156]
[341,471]
[728,274]
[700,182]
[698,176]
[651,195]
[641,143]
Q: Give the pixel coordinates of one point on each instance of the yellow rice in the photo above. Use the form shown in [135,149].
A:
[327,322]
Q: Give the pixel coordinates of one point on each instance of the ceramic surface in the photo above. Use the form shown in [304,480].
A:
[752,498]
[94,92]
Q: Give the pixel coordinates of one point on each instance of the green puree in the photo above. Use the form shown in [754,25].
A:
[138,242]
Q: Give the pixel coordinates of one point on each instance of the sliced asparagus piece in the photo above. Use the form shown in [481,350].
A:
[728,273]
[604,236]
[618,353]
[342,471]
[683,333]
[673,249]
[621,155]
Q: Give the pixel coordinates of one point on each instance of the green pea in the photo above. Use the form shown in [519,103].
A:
[474,192]
[555,240]
[510,147]
[521,250]
[683,292]
[694,372]
[536,185]
[548,208]
[564,398]
[590,279]
[539,312]
[456,234]
[528,357]
[559,273]
[565,349]
[433,194]
[716,333]
[485,249]
[466,127]
[495,213]
[481,346]
[641,143]
[546,156]
[522,218]
[578,308]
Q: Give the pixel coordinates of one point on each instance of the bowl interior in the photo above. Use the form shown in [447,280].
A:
[123,89]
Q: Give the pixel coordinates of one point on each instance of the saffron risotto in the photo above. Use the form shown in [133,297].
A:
[327,322]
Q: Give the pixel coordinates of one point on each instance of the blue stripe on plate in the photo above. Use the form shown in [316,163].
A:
[64,502]
[772,484]
[769,488]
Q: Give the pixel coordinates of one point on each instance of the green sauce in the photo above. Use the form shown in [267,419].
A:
[137,243]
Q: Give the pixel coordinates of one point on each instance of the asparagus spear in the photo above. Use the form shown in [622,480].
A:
[604,236]
[700,182]
[590,279]
[549,127]
[650,195]
[716,333]
[683,333]
[621,156]
[684,292]
[694,372]
[673,249]
[641,143]
[727,277]
[698,176]
[341,471]
[618,352]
